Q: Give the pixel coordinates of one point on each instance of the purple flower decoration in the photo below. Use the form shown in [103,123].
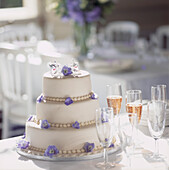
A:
[23,144]
[93,15]
[45,124]
[51,150]
[93,96]
[76,125]
[106,140]
[112,145]
[24,136]
[66,71]
[40,98]
[29,119]
[88,147]
[68,101]
[75,12]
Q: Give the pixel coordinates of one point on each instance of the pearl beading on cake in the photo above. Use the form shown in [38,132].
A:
[64,151]
[75,99]
[66,125]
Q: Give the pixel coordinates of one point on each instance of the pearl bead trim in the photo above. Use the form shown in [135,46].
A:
[62,99]
[66,125]
[64,151]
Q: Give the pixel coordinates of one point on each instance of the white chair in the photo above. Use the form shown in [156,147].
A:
[163,37]
[21,32]
[16,87]
[122,32]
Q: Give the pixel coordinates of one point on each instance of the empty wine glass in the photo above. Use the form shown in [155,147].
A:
[105,131]
[127,131]
[156,123]
[158,93]
[134,102]
[114,97]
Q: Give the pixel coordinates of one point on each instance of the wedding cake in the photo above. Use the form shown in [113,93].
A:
[64,123]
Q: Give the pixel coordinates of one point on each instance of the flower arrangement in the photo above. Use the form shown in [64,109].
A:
[84,13]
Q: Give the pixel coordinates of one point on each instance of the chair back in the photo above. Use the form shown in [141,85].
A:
[122,32]
[19,32]
[163,37]
[15,75]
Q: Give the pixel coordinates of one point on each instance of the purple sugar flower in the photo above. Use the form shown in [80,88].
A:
[23,144]
[106,140]
[93,96]
[93,15]
[88,147]
[68,101]
[112,145]
[66,71]
[104,118]
[45,124]
[76,125]
[51,150]
[40,98]
[30,118]
[24,136]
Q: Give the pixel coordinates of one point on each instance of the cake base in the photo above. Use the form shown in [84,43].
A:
[66,157]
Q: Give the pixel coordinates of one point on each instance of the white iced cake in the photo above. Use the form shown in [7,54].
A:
[65,115]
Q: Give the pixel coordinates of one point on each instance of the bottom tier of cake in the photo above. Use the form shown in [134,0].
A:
[67,140]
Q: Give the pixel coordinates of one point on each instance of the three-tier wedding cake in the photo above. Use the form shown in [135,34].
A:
[64,123]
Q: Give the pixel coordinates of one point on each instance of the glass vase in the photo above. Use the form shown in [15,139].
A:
[84,37]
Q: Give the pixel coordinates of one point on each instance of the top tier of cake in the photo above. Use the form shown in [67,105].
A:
[67,86]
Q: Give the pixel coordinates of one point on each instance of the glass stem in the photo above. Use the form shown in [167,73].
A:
[105,155]
[156,153]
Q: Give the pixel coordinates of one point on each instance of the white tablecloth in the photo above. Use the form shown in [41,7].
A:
[9,159]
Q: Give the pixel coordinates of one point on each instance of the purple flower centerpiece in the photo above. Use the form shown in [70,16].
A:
[66,70]
[45,124]
[68,101]
[86,14]
[23,144]
[88,147]
[76,125]
[51,150]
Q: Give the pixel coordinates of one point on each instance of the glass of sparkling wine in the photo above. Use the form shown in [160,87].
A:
[114,97]
[105,131]
[134,102]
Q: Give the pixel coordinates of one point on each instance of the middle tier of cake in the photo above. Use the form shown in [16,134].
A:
[59,113]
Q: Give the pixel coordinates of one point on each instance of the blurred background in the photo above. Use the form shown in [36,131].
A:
[120,41]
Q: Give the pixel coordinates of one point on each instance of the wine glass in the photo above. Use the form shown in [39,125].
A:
[114,97]
[159,93]
[127,129]
[156,110]
[134,102]
[105,131]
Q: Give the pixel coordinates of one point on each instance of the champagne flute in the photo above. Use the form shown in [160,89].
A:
[127,134]
[114,97]
[158,93]
[105,131]
[156,123]
[134,102]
